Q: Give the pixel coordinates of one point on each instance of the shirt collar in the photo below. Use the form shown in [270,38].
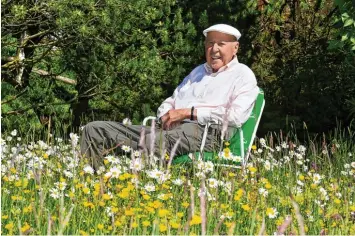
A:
[223,68]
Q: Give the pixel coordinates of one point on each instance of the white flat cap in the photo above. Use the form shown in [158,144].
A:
[223,28]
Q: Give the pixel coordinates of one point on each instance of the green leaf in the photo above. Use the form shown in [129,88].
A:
[348,22]
[353,48]
[344,37]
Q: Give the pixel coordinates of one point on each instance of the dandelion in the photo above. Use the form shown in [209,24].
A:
[25,227]
[271,212]
[246,207]
[162,227]
[100,226]
[196,220]
[146,223]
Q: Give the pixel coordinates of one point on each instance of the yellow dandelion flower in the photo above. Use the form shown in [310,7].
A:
[163,212]
[100,226]
[9,226]
[106,196]
[301,177]
[238,194]
[134,224]
[228,224]
[224,206]
[162,227]
[174,225]
[146,223]
[157,204]
[25,227]
[185,204]
[54,218]
[4,217]
[337,201]
[230,174]
[352,207]
[196,220]
[146,197]
[82,232]
[180,214]
[268,186]
[114,209]
[86,190]
[129,212]
[101,203]
[246,207]
[253,147]
[118,223]
[252,169]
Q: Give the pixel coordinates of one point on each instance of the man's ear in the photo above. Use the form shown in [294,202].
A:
[236,48]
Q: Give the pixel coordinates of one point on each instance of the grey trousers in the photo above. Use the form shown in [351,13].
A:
[101,138]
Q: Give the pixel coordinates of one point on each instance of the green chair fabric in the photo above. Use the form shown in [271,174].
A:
[237,148]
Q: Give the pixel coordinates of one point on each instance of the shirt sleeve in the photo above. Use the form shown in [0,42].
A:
[239,107]
[169,103]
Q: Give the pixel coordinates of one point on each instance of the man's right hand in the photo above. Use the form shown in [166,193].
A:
[174,117]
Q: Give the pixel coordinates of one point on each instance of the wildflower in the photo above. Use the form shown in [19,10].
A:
[174,225]
[271,212]
[146,223]
[268,185]
[337,201]
[178,182]
[82,232]
[162,227]
[149,187]
[25,227]
[136,164]
[163,212]
[353,164]
[126,121]
[316,178]
[74,139]
[196,220]
[267,165]
[126,148]
[14,132]
[185,204]
[246,207]
[238,195]
[212,183]
[54,193]
[180,214]
[9,226]
[263,192]
[136,153]
[88,169]
[100,226]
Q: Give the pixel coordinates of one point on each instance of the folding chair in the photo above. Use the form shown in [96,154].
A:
[240,142]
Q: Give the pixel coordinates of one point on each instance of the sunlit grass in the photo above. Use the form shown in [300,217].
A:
[286,187]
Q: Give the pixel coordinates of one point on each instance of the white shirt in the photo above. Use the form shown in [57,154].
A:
[228,94]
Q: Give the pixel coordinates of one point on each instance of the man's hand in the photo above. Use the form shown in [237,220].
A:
[174,117]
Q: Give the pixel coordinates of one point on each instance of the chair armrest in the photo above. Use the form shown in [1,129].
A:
[148,119]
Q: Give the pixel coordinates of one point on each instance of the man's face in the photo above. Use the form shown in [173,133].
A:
[220,49]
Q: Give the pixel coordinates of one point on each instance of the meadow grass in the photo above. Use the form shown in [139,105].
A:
[286,188]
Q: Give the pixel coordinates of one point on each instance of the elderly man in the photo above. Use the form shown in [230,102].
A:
[222,90]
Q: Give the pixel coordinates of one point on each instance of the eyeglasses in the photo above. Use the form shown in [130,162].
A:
[209,44]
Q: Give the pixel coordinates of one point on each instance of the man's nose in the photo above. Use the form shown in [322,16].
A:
[215,47]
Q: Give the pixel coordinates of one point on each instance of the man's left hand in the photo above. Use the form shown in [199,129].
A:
[174,117]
